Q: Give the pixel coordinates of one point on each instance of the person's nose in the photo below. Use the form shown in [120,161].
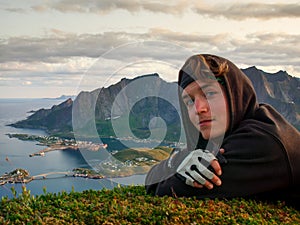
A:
[201,105]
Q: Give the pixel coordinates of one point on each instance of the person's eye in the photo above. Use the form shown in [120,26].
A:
[210,94]
[189,102]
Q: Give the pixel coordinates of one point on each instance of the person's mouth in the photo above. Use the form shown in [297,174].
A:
[205,122]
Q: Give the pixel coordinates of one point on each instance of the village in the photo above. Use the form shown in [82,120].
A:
[54,143]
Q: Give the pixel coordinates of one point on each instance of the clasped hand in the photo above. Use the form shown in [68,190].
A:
[194,169]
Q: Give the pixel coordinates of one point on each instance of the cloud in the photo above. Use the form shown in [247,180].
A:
[16,10]
[27,82]
[62,54]
[56,48]
[106,6]
[273,48]
[241,11]
[61,46]
[234,11]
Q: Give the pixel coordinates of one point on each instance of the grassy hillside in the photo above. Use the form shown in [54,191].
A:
[131,205]
[134,161]
[157,154]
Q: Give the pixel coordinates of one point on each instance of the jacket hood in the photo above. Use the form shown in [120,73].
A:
[239,92]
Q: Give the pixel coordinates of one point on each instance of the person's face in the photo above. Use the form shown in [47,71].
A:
[207,107]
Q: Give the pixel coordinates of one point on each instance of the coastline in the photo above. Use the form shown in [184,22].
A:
[123,163]
[53,148]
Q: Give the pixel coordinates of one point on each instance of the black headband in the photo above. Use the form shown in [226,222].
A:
[186,79]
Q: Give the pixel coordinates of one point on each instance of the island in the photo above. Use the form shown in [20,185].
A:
[16,176]
[23,176]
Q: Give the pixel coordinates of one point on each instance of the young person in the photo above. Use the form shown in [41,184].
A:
[235,146]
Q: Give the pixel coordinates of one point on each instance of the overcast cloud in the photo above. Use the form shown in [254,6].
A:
[280,48]
[229,10]
[54,43]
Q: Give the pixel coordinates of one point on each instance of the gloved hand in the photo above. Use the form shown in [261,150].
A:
[195,167]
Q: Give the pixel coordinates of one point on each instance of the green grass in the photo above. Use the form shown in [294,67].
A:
[158,154]
[131,205]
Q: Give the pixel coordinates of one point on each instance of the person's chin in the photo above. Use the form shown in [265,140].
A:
[205,135]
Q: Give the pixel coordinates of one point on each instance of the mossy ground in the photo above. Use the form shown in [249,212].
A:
[131,205]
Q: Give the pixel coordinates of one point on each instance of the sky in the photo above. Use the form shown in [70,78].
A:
[62,47]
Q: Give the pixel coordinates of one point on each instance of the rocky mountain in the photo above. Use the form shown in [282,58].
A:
[130,105]
[135,104]
[54,120]
[279,90]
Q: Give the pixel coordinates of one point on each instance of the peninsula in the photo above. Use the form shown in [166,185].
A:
[55,143]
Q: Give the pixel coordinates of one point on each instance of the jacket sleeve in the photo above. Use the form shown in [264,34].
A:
[164,170]
[256,164]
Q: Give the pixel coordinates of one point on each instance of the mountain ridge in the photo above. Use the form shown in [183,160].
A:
[279,89]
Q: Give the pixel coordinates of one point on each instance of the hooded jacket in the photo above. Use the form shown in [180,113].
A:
[262,150]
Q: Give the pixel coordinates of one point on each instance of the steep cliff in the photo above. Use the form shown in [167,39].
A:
[133,103]
[280,90]
[54,120]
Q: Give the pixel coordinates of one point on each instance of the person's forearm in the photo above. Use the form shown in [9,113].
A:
[166,168]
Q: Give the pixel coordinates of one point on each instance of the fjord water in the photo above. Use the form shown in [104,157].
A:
[14,154]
